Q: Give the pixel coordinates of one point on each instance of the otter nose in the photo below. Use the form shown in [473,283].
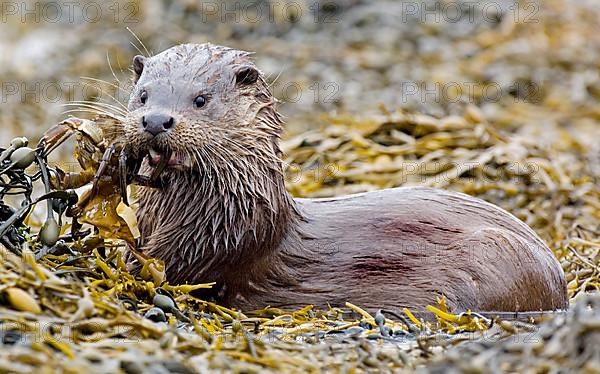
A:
[156,123]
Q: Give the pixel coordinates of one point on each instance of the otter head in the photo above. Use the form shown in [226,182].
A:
[202,105]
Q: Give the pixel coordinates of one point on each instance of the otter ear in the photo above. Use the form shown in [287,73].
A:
[138,67]
[246,75]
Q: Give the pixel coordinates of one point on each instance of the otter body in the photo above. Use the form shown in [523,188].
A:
[403,246]
[224,215]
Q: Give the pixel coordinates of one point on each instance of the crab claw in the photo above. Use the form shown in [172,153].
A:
[59,133]
[56,135]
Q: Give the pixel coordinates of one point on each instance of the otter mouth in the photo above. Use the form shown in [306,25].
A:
[168,158]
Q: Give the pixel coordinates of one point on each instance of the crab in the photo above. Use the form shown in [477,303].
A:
[93,151]
[107,163]
[102,154]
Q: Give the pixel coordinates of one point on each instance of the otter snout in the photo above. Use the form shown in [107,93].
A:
[156,123]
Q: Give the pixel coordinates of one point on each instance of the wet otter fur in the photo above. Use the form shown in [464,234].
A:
[224,214]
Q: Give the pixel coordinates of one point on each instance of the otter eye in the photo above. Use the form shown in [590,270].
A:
[200,101]
[144,97]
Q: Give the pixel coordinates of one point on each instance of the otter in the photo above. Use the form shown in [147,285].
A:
[223,214]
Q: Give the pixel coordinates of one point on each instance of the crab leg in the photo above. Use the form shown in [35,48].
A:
[106,157]
[123,177]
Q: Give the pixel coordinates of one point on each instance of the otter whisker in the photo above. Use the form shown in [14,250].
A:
[207,157]
[238,146]
[194,160]
[104,106]
[148,54]
[99,105]
[118,87]
[189,154]
[110,84]
[99,110]
[201,163]
[229,137]
[111,68]
[83,110]
[201,159]
[96,112]
[270,85]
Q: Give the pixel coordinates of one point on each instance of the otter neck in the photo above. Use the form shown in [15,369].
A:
[222,222]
